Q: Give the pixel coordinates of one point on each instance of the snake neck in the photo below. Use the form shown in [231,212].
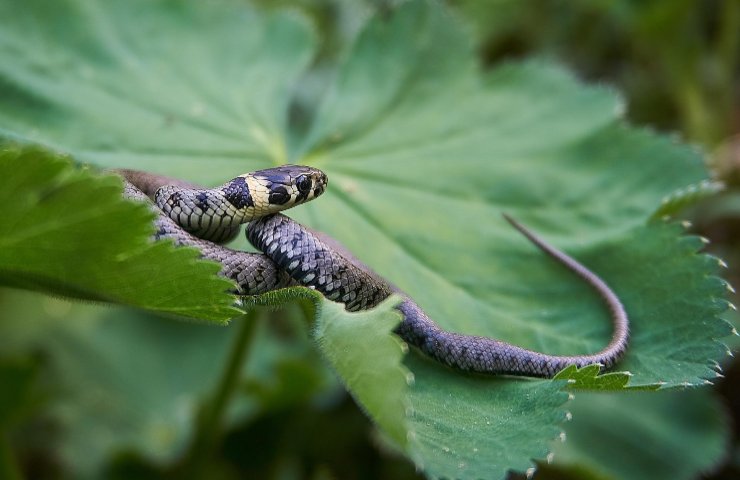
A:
[215,214]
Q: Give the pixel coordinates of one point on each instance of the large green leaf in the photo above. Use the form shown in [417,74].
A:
[464,426]
[167,85]
[363,353]
[431,152]
[68,232]
[424,152]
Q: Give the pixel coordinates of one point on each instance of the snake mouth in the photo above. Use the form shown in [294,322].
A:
[320,184]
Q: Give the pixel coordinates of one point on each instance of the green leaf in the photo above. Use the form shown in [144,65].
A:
[643,435]
[424,151]
[455,148]
[466,426]
[424,157]
[588,378]
[368,359]
[132,382]
[363,352]
[682,198]
[673,337]
[71,233]
[165,86]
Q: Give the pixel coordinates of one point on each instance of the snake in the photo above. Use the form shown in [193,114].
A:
[295,255]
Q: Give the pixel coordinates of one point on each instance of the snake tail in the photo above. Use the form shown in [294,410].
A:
[317,264]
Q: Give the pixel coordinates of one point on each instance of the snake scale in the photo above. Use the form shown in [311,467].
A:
[295,255]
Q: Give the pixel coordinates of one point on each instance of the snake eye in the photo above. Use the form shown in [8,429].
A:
[278,196]
[304,183]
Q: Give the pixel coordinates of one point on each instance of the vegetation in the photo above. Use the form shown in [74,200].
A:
[429,125]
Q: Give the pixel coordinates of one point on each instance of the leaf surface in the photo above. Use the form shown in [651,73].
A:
[168,86]
[71,233]
[362,352]
[465,426]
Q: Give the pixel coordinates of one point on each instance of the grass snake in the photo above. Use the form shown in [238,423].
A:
[295,255]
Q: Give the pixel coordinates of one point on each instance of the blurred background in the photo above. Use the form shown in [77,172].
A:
[88,402]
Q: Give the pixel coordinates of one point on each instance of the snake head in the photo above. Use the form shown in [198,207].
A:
[289,185]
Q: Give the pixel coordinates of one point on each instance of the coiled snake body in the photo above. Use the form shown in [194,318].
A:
[296,255]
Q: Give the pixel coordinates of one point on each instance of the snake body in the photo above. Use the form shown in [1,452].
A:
[296,255]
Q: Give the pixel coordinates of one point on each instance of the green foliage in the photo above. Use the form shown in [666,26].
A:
[168,86]
[423,150]
[671,339]
[132,381]
[17,376]
[70,233]
[680,199]
[128,381]
[588,378]
[676,60]
[467,426]
[362,352]
[643,435]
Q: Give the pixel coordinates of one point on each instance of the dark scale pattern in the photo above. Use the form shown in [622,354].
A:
[317,261]
[314,264]
[486,355]
[204,213]
[253,273]
[201,201]
[236,192]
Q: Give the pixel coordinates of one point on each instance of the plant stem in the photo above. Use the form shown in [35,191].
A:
[728,52]
[8,466]
[708,106]
[729,38]
[208,425]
